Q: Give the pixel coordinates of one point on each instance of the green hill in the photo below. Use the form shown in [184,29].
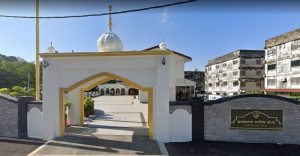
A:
[14,71]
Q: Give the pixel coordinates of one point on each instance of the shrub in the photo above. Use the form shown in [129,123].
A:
[88,106]
[14,94]
[20,91]
[4,90]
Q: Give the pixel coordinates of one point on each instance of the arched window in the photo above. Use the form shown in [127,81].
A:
[117,91]
[112,91]
[107,91]
[122,91]
[102,91]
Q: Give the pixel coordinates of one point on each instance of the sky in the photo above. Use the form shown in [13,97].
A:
[202,30]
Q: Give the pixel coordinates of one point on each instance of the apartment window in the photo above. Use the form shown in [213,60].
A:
[258,61]
[271,82]
[224,65]
[295,63]
[243,73]
[295,80]
[258,72]
[243,84]
[243,61]
[271,66]
[258,84]
[235,83]
[235,73]
[272,52]
[224,83]
[218,84]
[224,74]
[235,62]
[295,46]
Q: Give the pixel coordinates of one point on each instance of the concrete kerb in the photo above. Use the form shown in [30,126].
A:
[38,149]
[163,149]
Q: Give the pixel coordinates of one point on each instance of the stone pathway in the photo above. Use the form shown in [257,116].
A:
[118,128]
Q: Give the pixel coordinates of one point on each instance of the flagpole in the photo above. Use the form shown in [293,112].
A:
[37,56]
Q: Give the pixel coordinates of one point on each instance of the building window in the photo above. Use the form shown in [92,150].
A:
[295,63]
[243,73]
[258,84]
[258,61]
[235,83]
[235,73]
[224,65]
[224,74]
[272,52]
[295,46]
[209,69]
[235,62]
[217,75]
[217,66]
[271,82]
[243,61]
[224,83]
[258,72]
[243,84]
[271,66]
[295,80]
[209,85]
[218,84]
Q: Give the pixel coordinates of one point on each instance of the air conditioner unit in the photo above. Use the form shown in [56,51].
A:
[283,80]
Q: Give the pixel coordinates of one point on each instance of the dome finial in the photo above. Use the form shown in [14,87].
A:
[162,45]
[109,18]
[51,49]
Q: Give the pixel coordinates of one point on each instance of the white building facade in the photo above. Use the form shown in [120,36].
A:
[282,66]
[235,73]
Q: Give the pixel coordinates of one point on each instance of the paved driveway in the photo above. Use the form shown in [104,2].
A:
[12,146]
[119,115]
[219,148]
[119,127]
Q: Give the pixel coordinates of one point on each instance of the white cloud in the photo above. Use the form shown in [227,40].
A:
[164,17]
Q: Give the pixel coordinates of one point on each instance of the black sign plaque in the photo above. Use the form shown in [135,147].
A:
[256,119]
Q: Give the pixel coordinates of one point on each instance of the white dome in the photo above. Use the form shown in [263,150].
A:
[109,42]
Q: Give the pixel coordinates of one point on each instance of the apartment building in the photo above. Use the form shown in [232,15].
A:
[198,77]
[235,73]
[282,67]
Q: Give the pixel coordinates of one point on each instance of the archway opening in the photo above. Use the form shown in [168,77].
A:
[88,85]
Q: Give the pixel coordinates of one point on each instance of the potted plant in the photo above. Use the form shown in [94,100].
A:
[67,105]
[88,106]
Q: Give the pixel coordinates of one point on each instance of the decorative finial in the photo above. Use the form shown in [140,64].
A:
[163,46]
[51,49]
[109,18]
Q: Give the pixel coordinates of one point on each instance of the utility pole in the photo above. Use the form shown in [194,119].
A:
[37,55]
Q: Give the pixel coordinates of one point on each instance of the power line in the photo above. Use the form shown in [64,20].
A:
[102,14]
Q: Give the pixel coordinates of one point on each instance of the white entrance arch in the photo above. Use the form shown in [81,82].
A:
[72,72]
[108,77]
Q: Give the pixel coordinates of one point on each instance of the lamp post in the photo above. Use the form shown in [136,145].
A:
[37,55]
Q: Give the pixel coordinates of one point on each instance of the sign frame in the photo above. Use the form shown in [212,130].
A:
[256,119]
